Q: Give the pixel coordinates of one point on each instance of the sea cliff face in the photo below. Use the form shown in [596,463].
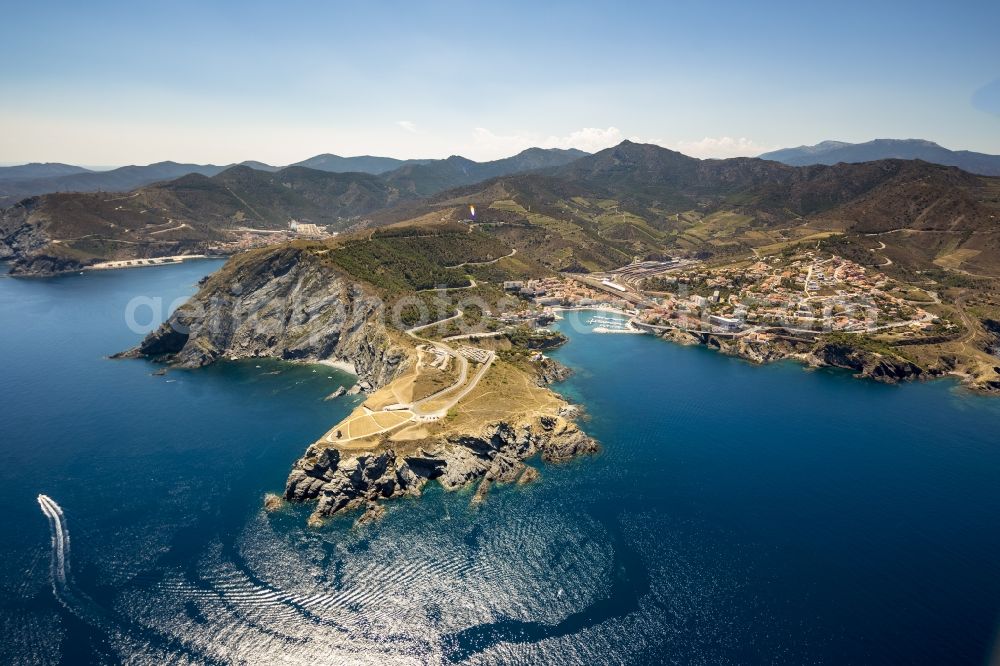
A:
[865,363]
[284,304]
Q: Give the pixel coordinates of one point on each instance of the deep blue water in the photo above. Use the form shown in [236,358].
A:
[736,514]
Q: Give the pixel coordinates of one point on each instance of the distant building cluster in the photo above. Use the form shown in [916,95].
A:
[307,229]
[807,292]
[561,292]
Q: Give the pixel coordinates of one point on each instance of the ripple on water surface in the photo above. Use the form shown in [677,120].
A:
[736,514]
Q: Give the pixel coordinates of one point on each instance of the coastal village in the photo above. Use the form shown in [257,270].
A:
[805,293]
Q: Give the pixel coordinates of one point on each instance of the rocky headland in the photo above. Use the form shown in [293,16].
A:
[288,303]
[281,303]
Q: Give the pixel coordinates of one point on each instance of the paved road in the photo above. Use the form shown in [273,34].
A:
[467,336]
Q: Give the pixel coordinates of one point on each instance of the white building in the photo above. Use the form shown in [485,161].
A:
[725,323]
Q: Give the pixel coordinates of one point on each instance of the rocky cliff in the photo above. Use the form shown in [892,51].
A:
[880,366]
[283,303]
[26,244]
[340,481]
[550,371]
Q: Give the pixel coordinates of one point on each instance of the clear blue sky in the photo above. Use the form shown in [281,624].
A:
[115,83]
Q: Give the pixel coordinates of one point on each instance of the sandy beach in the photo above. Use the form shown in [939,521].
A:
[343,366]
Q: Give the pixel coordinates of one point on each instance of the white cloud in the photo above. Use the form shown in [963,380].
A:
[408,125]
[723,146]
[590,139]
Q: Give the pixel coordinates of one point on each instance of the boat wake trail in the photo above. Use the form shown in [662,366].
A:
[62,579]
[85,608]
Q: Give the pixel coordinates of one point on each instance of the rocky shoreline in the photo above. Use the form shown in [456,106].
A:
[340,481]
[867,364]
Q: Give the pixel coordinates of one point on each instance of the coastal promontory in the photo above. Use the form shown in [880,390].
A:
[461,409]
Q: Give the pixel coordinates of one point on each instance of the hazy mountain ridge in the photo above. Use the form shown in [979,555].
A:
[432,177]
[361,163]
[40,170]
[831,152]
[122,179]
[20,182]
[63,231]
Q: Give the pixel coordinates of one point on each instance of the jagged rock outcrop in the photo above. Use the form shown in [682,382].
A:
[751,350]
[341,390]
[272,502]
[550,371]
[17,233]
[529,475]
[992,329]
[866,363]
[283,303]
[761,352]
[374,511]
[680,337]
[881,367]
[339,481]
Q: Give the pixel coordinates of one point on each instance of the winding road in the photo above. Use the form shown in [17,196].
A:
[484,263]
[413,411]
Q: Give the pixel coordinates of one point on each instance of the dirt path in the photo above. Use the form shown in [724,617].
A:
[369,424]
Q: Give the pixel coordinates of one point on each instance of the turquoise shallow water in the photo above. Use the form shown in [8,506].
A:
[736,514]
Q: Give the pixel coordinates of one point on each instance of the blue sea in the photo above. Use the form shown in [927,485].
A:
[736,514]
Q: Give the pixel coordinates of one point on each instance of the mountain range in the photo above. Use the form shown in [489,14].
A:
[640,200]
[420,177]
[831,152]
[362,163]
[205,207]
[566,211]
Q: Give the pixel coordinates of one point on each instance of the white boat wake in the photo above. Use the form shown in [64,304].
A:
[62,578]
[60,543]
[81,605]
